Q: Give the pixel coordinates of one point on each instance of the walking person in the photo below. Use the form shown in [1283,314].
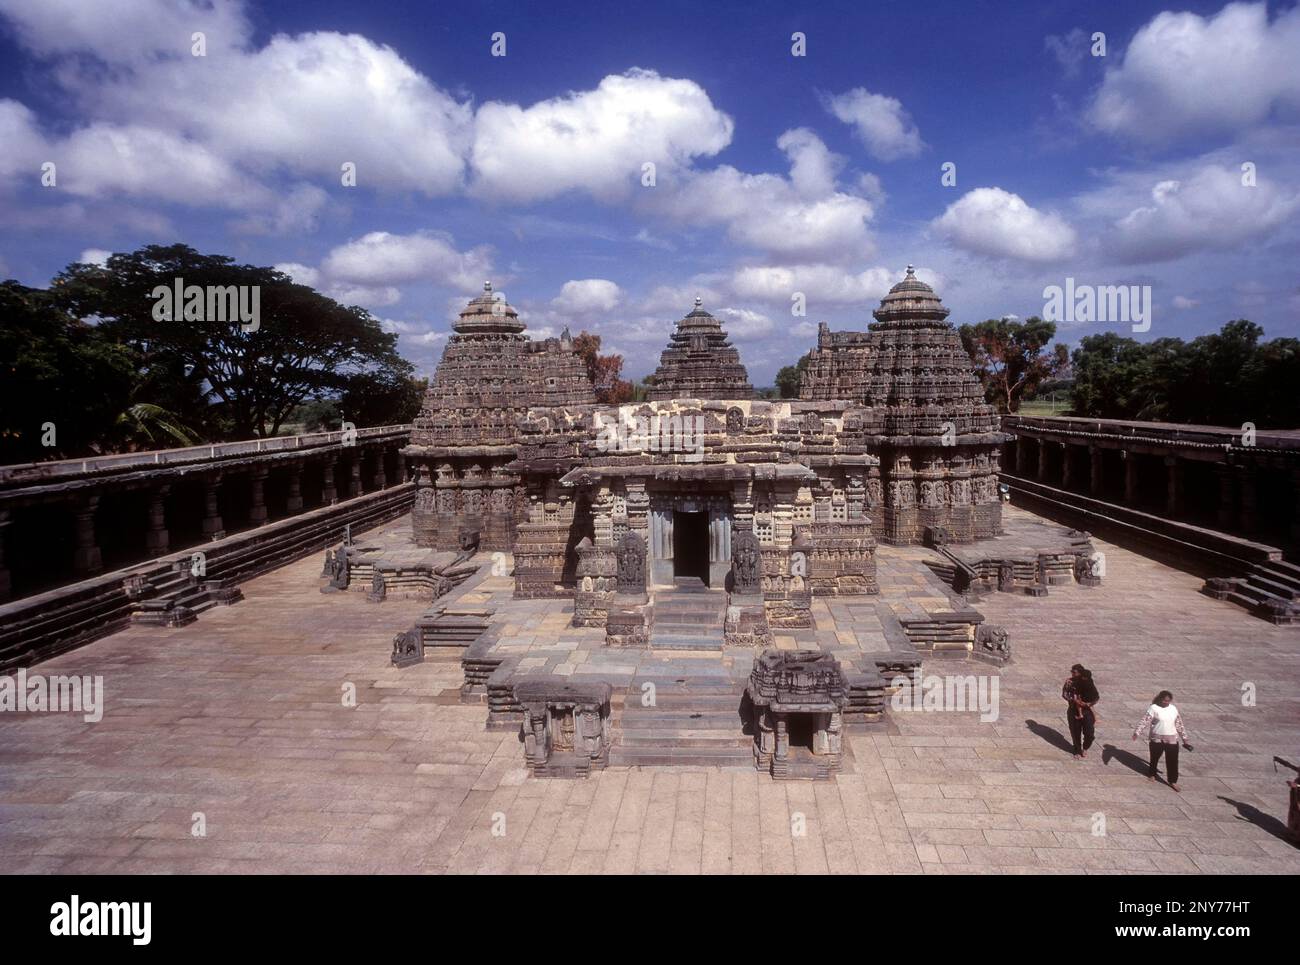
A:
[1164,727]
[1081,693]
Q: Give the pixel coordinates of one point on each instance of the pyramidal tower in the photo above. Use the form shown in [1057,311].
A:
[700,362]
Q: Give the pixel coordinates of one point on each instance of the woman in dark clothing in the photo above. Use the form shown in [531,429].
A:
[1081,693]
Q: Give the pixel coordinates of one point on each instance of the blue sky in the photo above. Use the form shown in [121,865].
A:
[775,175]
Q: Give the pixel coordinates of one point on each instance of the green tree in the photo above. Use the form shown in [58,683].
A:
[1013,357]
[231,381]
[789,377]
[59,371]
[605,371]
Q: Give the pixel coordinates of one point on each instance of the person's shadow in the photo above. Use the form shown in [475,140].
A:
[1051,735]
[1248,812]
[1130,760]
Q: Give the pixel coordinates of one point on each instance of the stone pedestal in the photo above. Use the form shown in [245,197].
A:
[597,570]
[746,622]
[566,728]
[797,699]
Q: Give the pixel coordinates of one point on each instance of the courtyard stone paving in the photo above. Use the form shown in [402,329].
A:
[241,718]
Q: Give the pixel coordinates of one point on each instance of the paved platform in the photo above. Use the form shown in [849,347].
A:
[242,718]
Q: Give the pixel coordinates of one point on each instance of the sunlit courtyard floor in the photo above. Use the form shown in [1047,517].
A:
[239,724]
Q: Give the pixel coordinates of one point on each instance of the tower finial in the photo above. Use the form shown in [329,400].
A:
[487,286]
[698,301]
[911,271]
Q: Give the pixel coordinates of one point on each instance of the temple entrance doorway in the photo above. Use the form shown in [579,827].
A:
[691,545]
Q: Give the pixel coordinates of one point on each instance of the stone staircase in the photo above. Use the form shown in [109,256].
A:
[1270,590]
[694,721]
[175,598]
[688,617]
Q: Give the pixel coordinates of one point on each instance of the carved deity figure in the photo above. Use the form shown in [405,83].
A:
[745,558]
[630,555]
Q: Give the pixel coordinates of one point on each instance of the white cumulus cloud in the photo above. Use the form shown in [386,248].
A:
[880,123]
[587,295]
[1184,73]
[990,221]
[595,141]
[1211,209]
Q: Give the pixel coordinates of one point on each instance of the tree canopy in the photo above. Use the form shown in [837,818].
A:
[1012,357]
[1226,378]
[605,371]
[232,380]
[95,358]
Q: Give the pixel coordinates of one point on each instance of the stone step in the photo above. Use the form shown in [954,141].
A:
[1282,590]
[677,740]
[679,614]
[682,756]
[647,718]
[683,641]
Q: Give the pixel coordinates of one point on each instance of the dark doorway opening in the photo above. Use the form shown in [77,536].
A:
[801,728]
[691,545]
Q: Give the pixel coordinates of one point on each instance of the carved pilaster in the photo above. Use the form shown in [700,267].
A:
[257,496]
[1174,502]
[293,502]
[156,540]
[213,527]
[86,557]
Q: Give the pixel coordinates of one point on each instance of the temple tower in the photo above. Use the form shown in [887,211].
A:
[700,363]
[924,415]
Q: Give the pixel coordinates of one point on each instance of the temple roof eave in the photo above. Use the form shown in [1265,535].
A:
[680,472]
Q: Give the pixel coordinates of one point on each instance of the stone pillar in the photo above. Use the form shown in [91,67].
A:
[1174,502]
[1096,472]
[1022,455]
[1130,478]
[1248,498]
[293,502]
[1066,462]
[213,527]
[401,467]
[257,506]
[354,475]
[1295,504]
[6,585]
[1227,514]
[1041,470]
[156,540]
[86,558]
[380,480]
[329,494]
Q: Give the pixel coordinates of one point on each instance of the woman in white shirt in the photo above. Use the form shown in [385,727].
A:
[1165,733]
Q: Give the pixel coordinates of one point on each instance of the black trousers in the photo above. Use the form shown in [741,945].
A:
[1081,731]
[1171,759]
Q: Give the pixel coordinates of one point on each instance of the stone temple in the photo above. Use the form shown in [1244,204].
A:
[682,601]
[705,519]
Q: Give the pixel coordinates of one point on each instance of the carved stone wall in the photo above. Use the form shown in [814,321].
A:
[924,414]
